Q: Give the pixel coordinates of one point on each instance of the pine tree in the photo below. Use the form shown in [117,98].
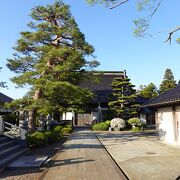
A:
[51,58]
[150,91]
[168,81]
[2,83]
[124,96]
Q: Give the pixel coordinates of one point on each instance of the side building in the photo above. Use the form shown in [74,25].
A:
[4,99]
[167,115]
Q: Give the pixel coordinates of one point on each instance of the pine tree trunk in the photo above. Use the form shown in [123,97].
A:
[33,113]
[32,120]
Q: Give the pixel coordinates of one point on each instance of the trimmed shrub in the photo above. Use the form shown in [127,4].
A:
[108,122]
[69,126]
[57,133]
[37,138]
[64,123]
[58,129]
[100,127]
[49,135]
[66,130]
[118,122]
[143,125]
[134,122]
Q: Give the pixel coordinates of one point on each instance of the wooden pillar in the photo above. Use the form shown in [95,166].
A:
[1,125]
[175,125]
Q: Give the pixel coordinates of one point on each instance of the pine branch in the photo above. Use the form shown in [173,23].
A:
[119,4]
[171,33]
[155,10]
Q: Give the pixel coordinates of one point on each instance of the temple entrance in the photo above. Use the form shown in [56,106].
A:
[83,119]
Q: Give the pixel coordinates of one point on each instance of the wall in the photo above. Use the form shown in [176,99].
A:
[67,116]
[177,116]
[168,121]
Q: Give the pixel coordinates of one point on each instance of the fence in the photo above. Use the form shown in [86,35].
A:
[12,130]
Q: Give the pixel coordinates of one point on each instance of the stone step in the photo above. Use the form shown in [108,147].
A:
[5,145]
[11,134]
[11,157]
[8,151]
[3,139]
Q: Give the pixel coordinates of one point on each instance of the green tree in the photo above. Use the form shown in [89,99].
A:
[168,81]
[150,91]
[124,96]
[2,83]
[51,58]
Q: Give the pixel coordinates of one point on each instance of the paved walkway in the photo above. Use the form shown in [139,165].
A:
[142,157]
[83,157]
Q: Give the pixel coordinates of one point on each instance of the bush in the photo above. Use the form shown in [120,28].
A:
[68,126]
[66,130]
[118,122]
[50,136]
[100,127]
[134,122]
[56,133]
[143,125]
[64,123]
[37,138]
[58,129]
[108,122]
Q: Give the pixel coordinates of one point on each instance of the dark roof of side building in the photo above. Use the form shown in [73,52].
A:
[100,84]
[4,98]
[172,96]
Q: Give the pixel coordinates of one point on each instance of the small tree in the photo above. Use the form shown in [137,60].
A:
[168,81]
[124,96]
[150,91]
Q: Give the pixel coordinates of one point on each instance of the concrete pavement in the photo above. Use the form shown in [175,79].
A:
[142,157]
[83,157]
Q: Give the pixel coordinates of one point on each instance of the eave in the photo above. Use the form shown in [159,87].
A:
[162,103]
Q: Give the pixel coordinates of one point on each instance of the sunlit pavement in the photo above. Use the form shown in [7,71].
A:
[142,157]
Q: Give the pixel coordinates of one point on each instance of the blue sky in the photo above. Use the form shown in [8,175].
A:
[111,34]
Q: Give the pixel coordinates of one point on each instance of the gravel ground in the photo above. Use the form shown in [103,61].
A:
[34,173]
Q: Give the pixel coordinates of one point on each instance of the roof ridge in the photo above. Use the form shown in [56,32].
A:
[170,96]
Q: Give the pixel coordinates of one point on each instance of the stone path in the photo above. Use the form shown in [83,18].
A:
[83,157]
[141,156]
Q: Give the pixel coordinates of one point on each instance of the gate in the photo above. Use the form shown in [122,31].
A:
[83,119]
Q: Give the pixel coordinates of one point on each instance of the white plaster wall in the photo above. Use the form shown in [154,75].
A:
[177,115]
[166,125]
[67,116]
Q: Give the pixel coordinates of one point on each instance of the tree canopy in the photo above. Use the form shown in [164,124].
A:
[51,58]
[148,91]
[123,99]
[168,81]
[142,24]
[2,83]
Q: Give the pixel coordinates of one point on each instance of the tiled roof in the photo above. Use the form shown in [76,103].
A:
[4,98]
[101,84]
[169,97]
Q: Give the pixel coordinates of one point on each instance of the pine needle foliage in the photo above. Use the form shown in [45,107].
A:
[51,58]
[124,96]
